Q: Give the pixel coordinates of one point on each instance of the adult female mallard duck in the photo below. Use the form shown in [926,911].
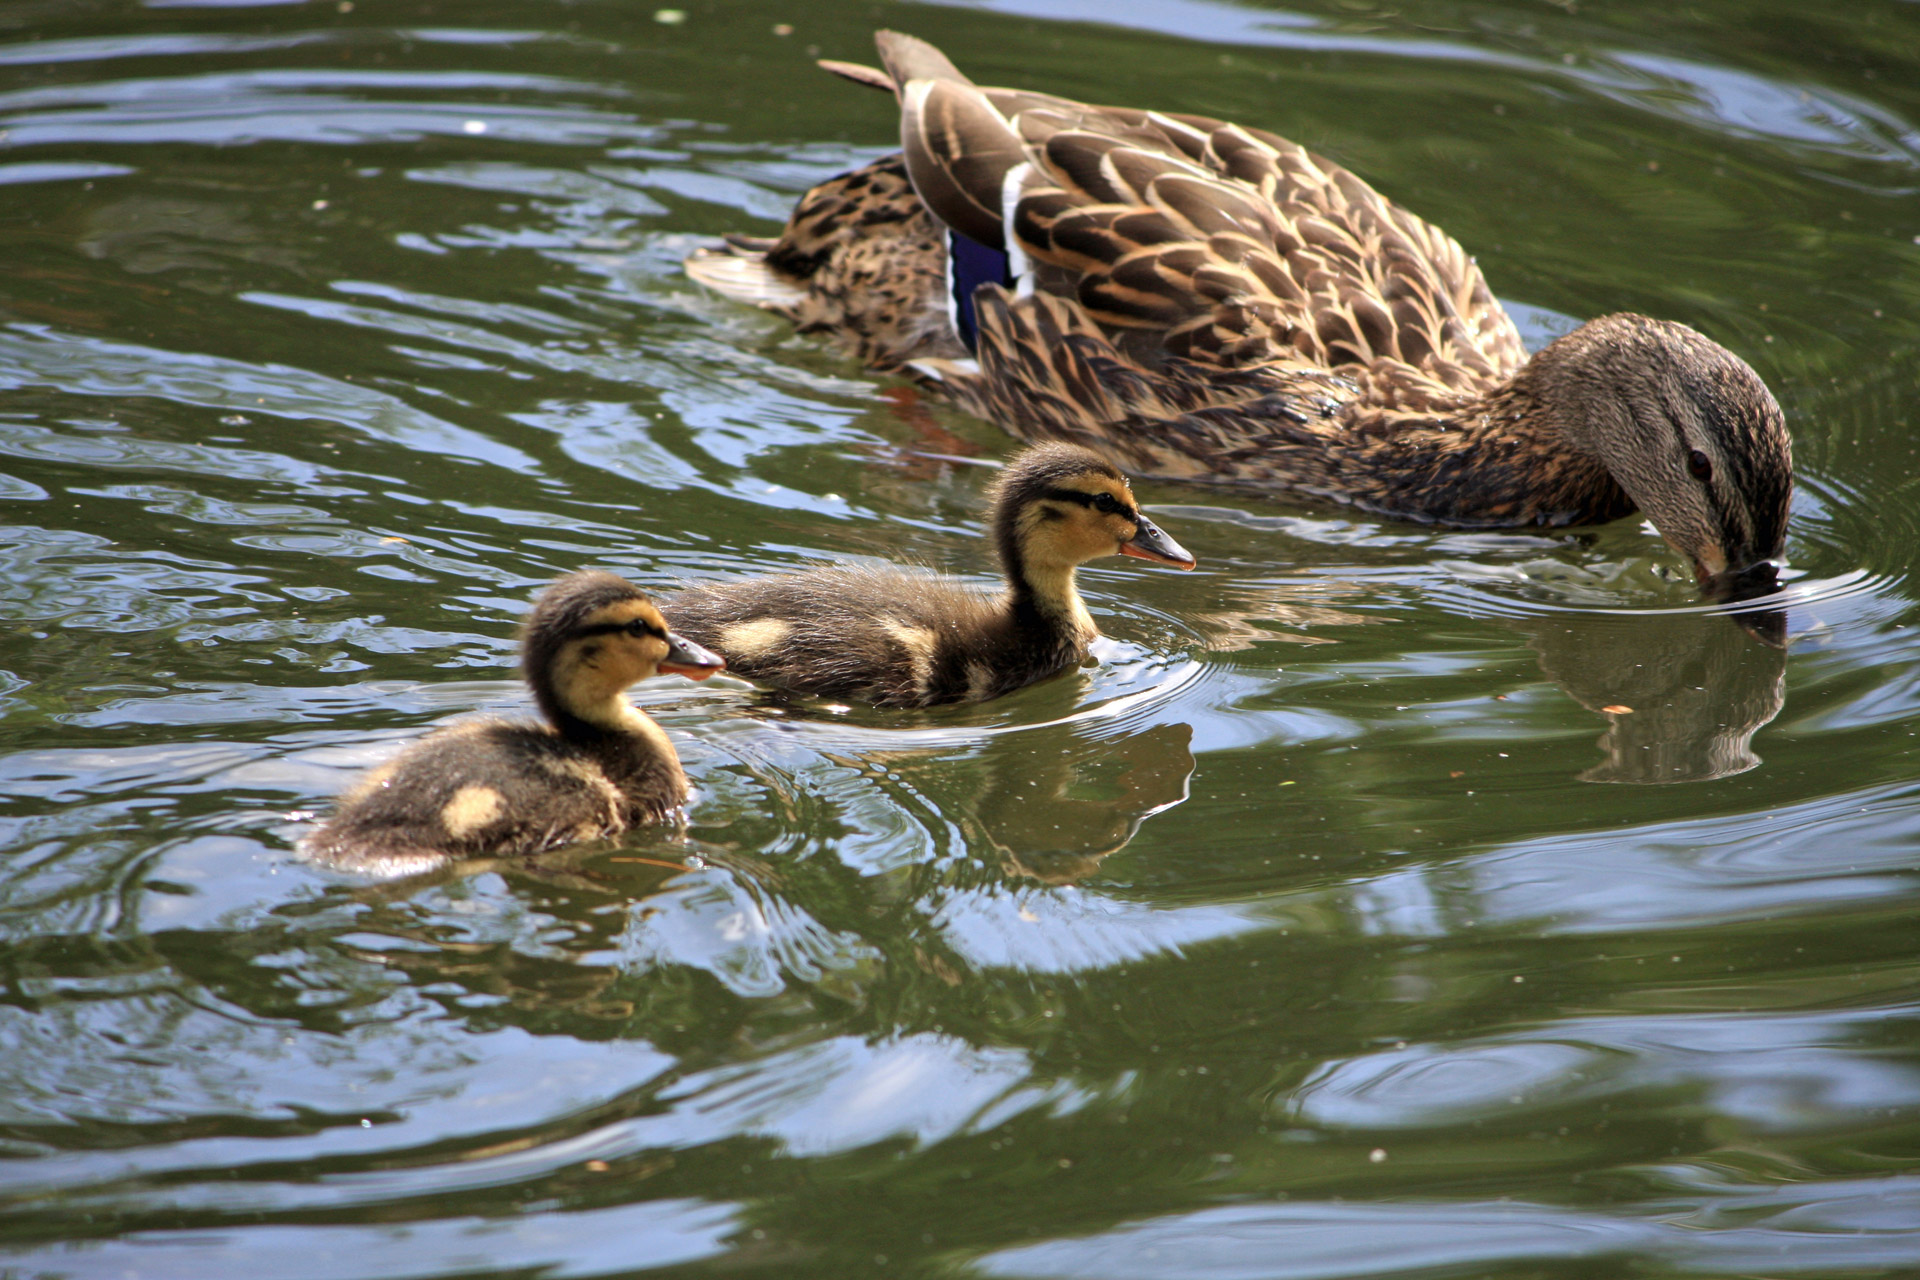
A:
[1200,300]
[597,767]
[915,640]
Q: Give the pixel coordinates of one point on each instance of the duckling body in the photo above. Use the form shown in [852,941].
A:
[1198,300]
[597,767]
[914,639]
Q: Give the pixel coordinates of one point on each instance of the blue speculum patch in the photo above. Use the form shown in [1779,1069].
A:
[973,264]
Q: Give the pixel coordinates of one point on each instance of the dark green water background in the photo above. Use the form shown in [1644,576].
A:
[1331,927]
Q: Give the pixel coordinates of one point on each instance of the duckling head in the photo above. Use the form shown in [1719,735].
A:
[1059,505]
[592,634]
[1688,430]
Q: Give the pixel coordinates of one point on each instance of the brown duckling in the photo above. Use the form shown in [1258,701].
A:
[1202,301]
[498,787]
[899,639]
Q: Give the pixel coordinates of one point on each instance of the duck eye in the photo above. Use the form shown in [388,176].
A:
[1105,503]
[636,628]
[1701,466]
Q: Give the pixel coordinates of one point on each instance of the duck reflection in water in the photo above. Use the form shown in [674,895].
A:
[1055,811]
[1683,693]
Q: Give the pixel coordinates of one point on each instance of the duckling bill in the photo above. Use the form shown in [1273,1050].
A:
[899,639]
[595,768]
[1198,300]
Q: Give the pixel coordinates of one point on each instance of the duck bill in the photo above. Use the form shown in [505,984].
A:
[685,658]
[1755,581]
[1735,586]
[1148,543]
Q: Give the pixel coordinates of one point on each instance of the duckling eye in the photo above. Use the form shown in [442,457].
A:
[1701,466]
[1106,504]
[638,628]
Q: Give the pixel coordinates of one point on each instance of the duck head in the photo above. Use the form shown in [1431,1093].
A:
[589,636]
[1688,430]
[1059,505]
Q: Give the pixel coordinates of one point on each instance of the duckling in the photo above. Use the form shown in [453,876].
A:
[1203,301]
[596,768]
[899,639]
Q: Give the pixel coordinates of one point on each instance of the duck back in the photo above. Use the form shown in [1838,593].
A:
[861,261]
[494,788]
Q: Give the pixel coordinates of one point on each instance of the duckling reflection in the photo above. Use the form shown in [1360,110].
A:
[1055,815]
[1051,805]
[1255,613]
[1684,693]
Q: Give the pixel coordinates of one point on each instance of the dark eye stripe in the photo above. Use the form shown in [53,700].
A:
[1088,499]
[609,628]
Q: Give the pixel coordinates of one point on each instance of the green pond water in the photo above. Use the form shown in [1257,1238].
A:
[1332,926]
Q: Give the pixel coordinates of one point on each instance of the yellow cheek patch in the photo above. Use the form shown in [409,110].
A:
[754,639]
[472,808]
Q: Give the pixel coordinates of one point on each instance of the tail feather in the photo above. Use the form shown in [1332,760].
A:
[911,58]
[871,77]
[743,275]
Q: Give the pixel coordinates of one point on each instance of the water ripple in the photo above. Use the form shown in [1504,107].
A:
[1832,1227]
[37,356]
[1809,119]
[1290,939]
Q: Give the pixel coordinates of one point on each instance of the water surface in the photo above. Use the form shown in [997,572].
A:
[1389,901]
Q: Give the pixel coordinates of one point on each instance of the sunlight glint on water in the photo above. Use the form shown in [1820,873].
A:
[1388,901]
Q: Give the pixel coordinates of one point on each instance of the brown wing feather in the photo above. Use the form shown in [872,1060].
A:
[1235,244]
[958,151]
[1049,371]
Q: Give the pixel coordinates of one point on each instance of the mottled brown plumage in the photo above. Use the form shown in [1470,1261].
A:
[497,787]
[901,639]
[1200,300]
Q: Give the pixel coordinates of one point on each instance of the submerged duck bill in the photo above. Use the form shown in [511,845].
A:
[1755,582]
[1148,543]
[685,658]
[1735,586]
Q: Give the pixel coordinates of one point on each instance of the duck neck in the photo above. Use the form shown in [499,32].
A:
[623,739]
[1501,459]
[1042,597]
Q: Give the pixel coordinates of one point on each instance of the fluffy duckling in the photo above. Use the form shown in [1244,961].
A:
[899,639]
[1200,300]
[496,787]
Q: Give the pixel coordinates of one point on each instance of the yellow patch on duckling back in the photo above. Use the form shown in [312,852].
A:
[918,642]
[755,638]
[472,808]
